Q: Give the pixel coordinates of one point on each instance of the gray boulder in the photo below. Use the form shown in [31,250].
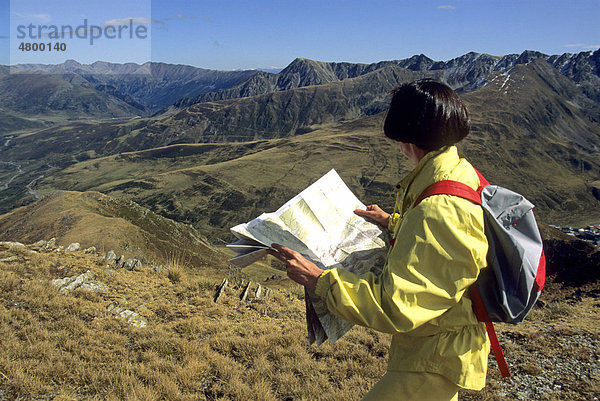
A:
[132,264]
[11,245]
[84,281]
[50,245]
[110,256]
[73,247]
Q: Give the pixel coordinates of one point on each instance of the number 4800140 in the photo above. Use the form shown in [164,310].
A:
[42,47]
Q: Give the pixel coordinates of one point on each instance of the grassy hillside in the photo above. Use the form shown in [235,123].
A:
[153,85]
[75,346]
[215,186]
[531,133]
[94,219]
[12,122]
[58,99]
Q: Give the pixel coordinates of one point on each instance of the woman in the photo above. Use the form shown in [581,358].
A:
[421,297]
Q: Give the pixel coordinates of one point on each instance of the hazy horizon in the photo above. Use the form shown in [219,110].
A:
[278,69]
[236,35]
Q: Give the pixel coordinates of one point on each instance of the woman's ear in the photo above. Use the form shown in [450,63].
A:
[412,151]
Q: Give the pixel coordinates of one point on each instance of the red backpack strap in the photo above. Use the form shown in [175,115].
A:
[482,316]
[449,187]
[482,181]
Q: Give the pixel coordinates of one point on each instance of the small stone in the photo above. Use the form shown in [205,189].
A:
[120,262]
[110,256]
[40,245]
[129,316]
[50,244]
[11,259]
[91,249]
[73,247]
[131,264]
[11,245]
[258,291]
[94,286]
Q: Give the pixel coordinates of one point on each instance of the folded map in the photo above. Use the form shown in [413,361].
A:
[320,224]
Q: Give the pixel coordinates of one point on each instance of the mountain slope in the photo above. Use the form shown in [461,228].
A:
[284,113]
[12,122]
[154,85]
[78,346]
[299,73]
[94,219]
[51,97]
[530,126]
[532,131]
[524,136]
[274,115]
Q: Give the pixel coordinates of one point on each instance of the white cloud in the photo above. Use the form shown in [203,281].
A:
[133,20]
[446,7]
[582,46]
[178,16]
[181,16]
[41,18]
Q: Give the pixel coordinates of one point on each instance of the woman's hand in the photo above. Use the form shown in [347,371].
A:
[298,268]
[376,214]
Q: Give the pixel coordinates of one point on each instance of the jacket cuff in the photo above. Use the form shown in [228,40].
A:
[322,284]
[393,222]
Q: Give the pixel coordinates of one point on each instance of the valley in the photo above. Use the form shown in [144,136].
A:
[525,136]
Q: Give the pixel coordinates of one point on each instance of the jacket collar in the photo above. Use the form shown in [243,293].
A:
[434,166]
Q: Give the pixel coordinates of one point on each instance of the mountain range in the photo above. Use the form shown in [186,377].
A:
[464,73]
[106,89]
[221,157]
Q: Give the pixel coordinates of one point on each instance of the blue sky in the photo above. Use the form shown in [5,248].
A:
[236,34]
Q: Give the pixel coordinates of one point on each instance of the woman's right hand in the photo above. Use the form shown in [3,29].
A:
[376,214]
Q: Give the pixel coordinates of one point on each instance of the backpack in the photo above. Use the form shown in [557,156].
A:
[509,287]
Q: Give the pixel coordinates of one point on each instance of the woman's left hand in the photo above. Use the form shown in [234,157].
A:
[298,268]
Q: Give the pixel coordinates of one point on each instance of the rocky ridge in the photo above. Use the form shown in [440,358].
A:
[465,73]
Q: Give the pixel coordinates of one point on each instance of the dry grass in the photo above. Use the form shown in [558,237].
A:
[69,346]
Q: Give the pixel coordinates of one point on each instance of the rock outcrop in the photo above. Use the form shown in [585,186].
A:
[83,281]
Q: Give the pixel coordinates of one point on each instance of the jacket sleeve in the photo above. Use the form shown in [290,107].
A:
[439,250]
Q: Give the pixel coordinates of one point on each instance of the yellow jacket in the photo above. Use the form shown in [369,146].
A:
[421,296]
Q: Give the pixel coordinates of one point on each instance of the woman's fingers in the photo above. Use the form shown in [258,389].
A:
[284,254]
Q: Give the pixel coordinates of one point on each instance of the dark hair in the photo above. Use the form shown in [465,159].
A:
[427,113]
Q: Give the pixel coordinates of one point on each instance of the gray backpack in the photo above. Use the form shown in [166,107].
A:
[509,287]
